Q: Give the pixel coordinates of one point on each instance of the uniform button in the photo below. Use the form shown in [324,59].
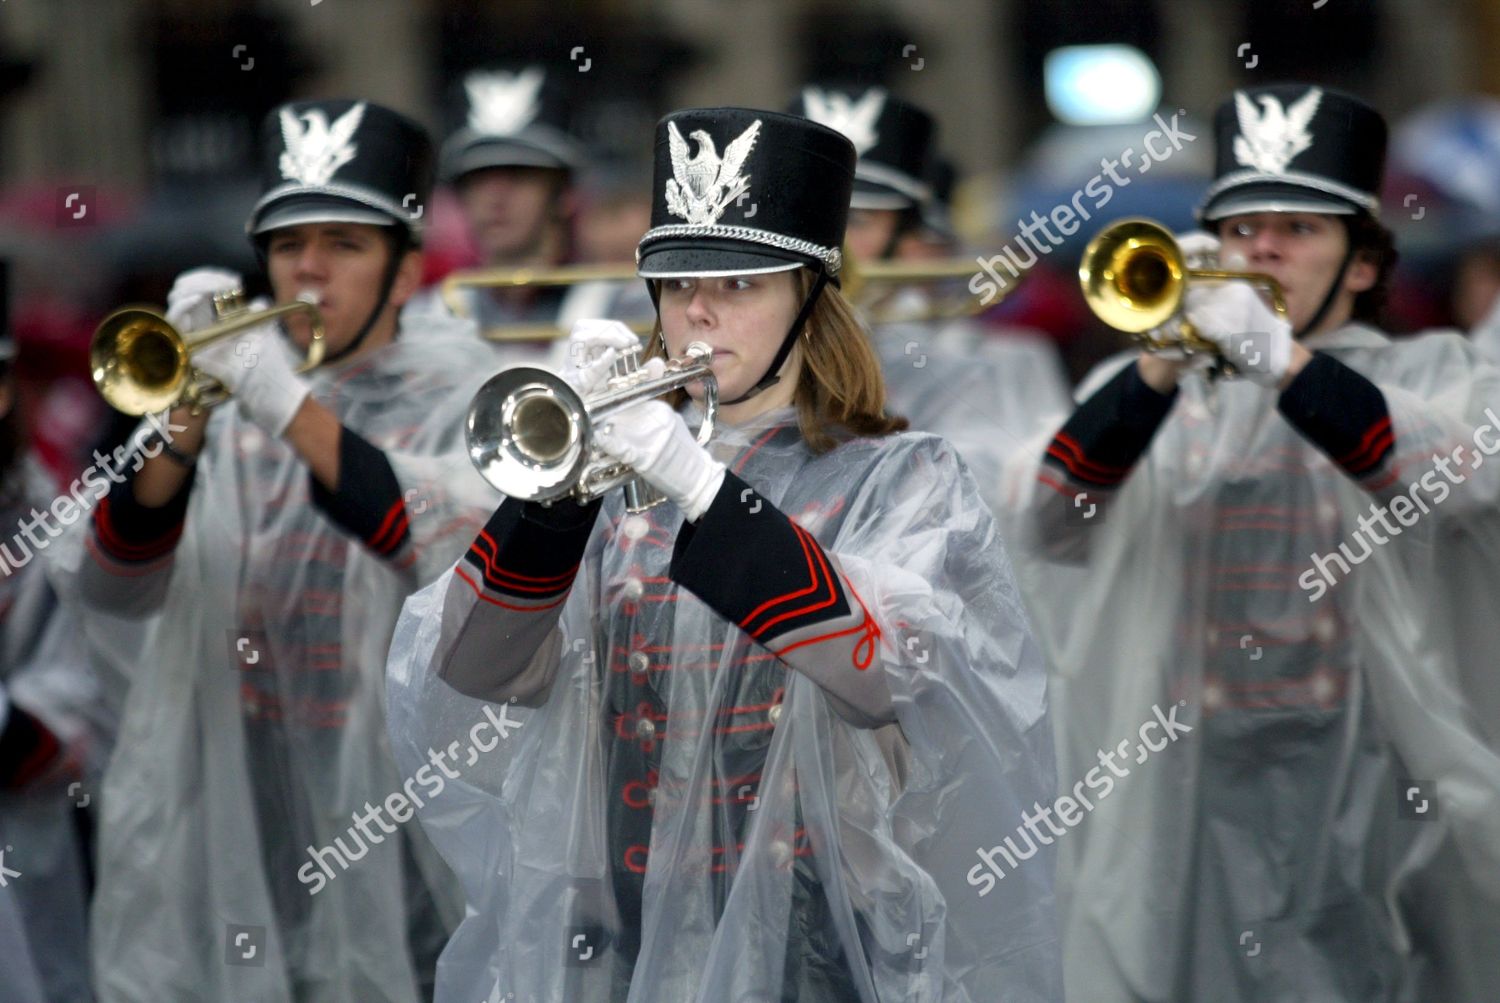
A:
[645,729]
[781,852]
[633,588]
[1324,629]
[1323,687]
[638,661]
[774,714]
[651,795]
[634,527]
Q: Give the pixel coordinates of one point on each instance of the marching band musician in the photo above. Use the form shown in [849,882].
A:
[513,163]
[55,729]
[270,542]
[982,389]
[1237,569]
[768,721]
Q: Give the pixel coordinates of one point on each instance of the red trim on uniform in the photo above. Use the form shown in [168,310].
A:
[815,562]
[740,463]
[511,581]
[1079,464]
[868,627]
[392,527]
[117,547]
[1375,442]
[503,605]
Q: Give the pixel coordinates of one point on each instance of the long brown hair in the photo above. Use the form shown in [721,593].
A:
[840,390]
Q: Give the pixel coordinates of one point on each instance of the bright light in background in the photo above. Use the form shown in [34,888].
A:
[1100,84]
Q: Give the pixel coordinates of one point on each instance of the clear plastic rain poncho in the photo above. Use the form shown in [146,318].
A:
[984,392]
[1335,805]
[45,670]
[787,838]
[254,729]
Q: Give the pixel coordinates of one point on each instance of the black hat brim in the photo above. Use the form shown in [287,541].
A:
[296,210]
[504,153]
[703,258]
[1272,196]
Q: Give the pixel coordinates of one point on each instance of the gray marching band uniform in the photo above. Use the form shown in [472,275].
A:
[1334,804]
[231,865]
[754,754]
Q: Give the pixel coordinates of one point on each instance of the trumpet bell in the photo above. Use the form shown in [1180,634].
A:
[139,361]
[526,431]
[531,436]
[1133,275]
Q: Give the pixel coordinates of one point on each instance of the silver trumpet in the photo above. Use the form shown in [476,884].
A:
[531,435]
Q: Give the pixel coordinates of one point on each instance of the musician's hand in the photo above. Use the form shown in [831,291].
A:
[190,304]
[258,367]
[1251,335]
[1199,249]
[653,440]
[592,350]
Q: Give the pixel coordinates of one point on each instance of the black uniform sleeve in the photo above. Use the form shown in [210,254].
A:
[1107,434]
[768,576]
[27,748]
[527,555]
[130,533]
[368,503]
[1342,413]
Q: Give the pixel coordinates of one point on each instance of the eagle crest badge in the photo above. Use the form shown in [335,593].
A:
[315,150]
[703,185]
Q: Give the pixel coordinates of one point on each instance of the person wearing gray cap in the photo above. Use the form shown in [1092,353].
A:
[268,544]
[1298,563]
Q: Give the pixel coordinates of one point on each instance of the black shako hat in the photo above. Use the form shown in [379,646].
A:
[736,191]
[1295,148]
[342,161]
[509,118]
[894,140]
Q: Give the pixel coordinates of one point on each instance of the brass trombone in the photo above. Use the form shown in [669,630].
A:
[856,279]
[531,435]
[142,364]
[1134,275]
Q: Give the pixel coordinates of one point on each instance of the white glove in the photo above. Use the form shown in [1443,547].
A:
[654,441]
[1199,249]
[190,304]
[593,347]
[258,368]
[1251,335]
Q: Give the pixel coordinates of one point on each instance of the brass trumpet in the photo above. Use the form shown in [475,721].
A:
[1134,274]
[531,435]
[142,364]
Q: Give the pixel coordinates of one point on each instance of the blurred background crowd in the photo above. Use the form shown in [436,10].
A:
[127,128]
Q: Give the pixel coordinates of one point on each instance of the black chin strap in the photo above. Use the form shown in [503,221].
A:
[1333,290]
[399,248]
[773,372]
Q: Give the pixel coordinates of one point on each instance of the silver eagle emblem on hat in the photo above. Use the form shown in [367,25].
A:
[1271,137]
[314,148]
[703,186]
[855,119]
[502,104]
